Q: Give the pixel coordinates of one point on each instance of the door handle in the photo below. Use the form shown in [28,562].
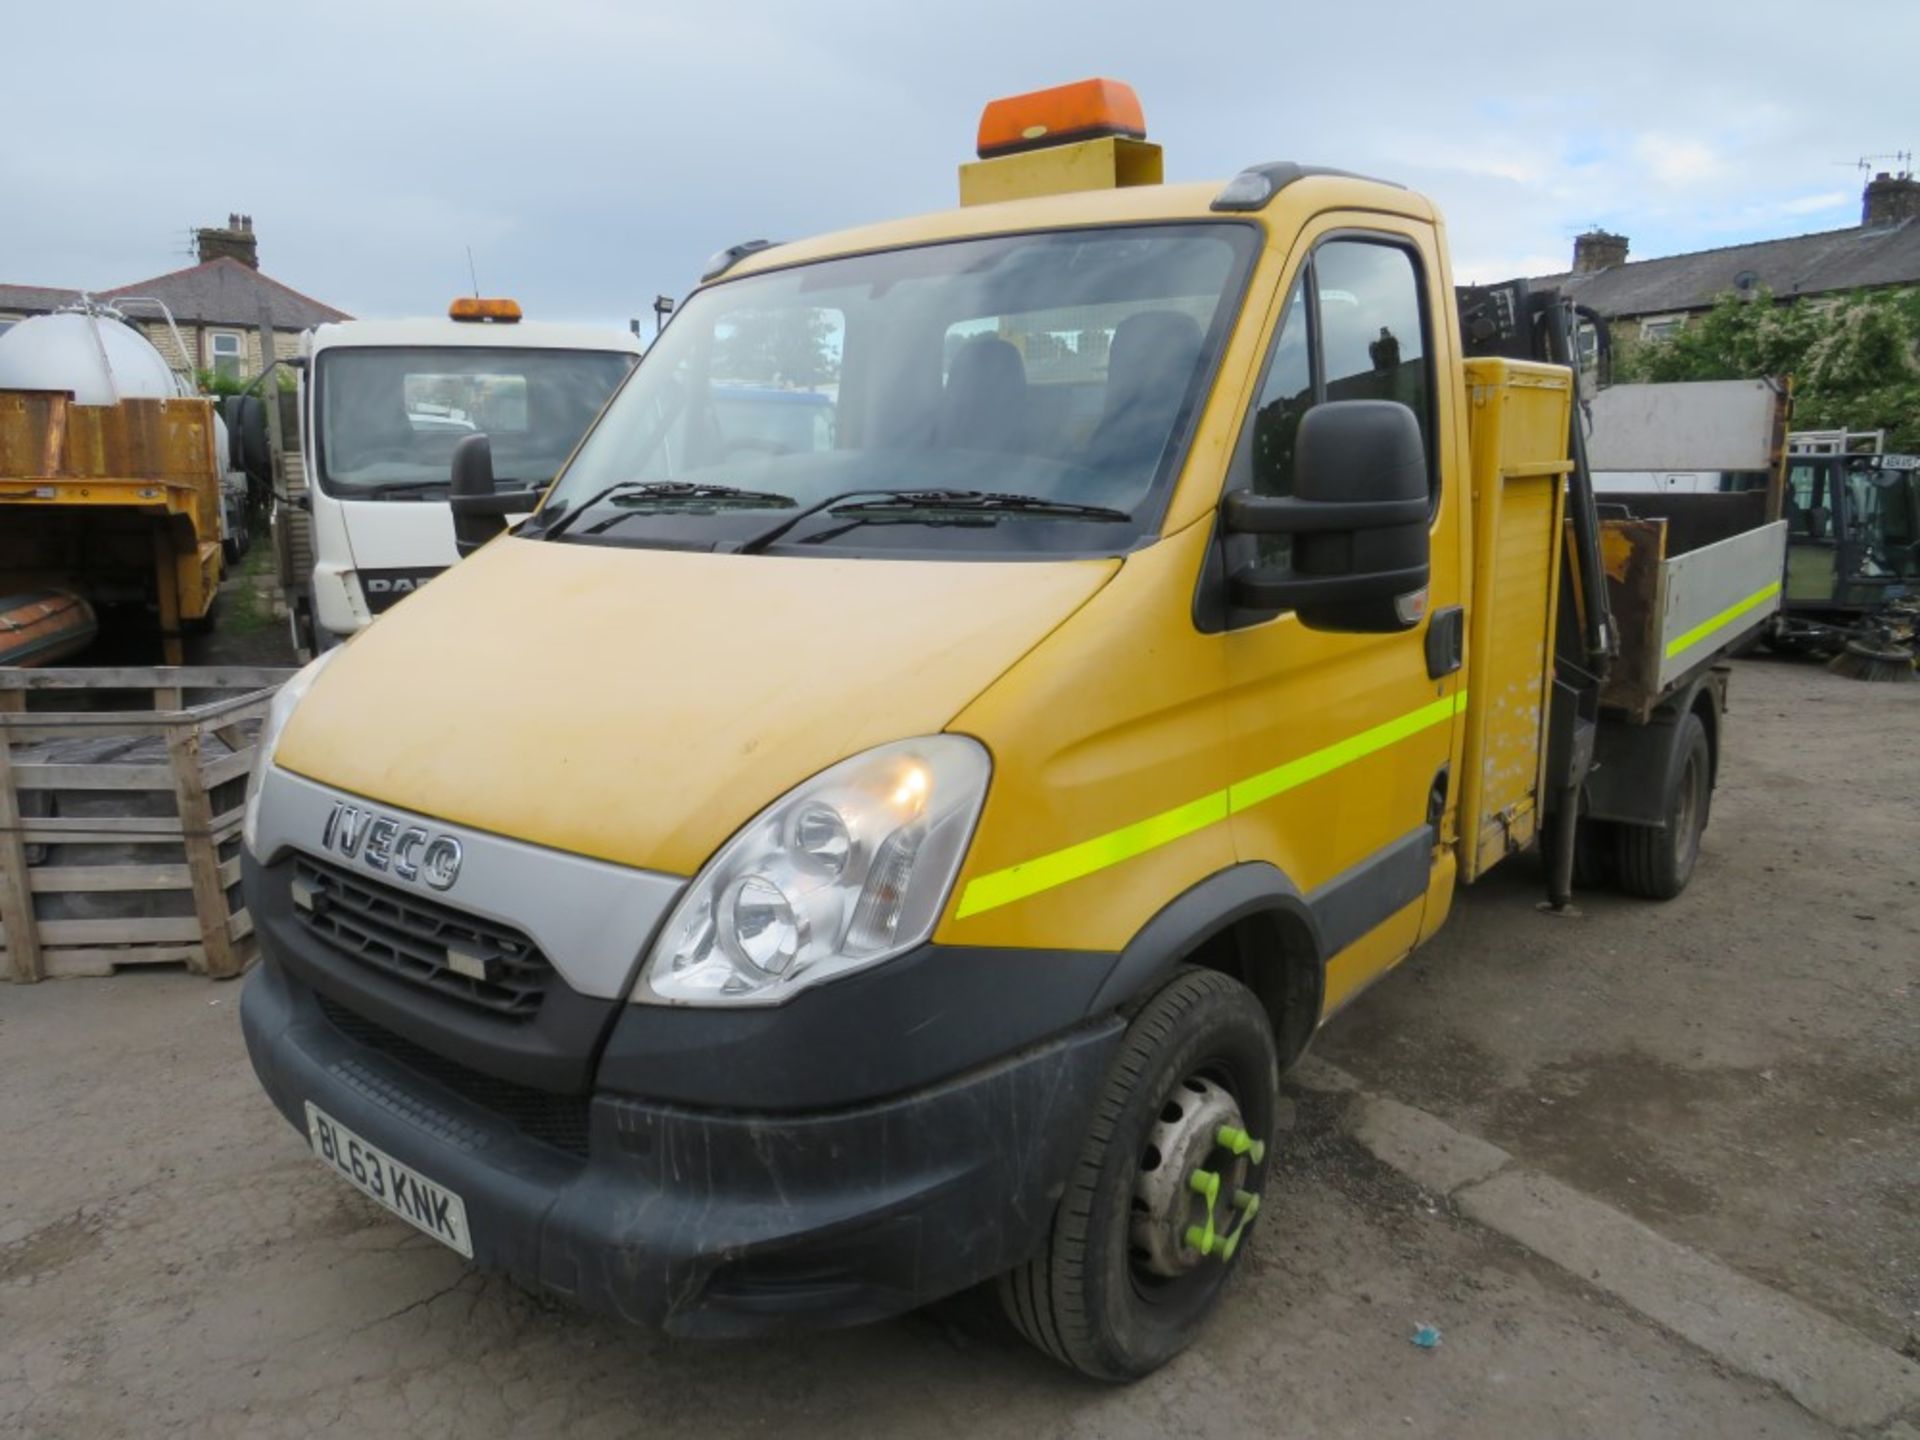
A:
[1446,641]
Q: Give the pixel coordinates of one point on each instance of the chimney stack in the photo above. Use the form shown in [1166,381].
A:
[1889,199]
[1598,250]
[236,241]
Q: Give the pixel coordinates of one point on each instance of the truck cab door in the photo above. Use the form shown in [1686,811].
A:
[1813,573]
[1346,742]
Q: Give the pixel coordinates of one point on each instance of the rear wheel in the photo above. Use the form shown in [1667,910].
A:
[1593,843]
[1166,1187]
[1656,864]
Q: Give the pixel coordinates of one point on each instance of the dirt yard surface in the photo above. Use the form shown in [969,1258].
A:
[1736,1068]
[1740,1067]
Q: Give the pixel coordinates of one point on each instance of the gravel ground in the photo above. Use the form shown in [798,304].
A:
[1736,1068]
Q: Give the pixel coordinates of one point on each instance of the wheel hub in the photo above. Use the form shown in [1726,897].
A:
[1191,1200]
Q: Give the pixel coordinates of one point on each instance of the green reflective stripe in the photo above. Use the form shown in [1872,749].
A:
[1726,617]
[1030,877]
[1245,794]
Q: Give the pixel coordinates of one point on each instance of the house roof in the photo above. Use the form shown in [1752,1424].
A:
[35,297]
[1800,265]
[223,291]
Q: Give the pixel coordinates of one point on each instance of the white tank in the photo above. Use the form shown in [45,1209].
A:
[100,359]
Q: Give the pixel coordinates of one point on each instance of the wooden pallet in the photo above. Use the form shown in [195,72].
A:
[187,856]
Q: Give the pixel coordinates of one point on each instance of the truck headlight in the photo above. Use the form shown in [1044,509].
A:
[849,869]
[279,711]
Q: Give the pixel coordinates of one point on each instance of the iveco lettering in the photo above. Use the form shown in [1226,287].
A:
[985,690]
[383,843]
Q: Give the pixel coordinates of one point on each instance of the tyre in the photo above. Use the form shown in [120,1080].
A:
[1656,864]
[238,541]
[1593,842]
[300,625]
[1166,1186]
[201,626]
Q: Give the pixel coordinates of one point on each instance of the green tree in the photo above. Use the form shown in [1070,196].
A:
[1855,362]
[784,346]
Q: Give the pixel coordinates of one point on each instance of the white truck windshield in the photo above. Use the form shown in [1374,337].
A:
[389,417]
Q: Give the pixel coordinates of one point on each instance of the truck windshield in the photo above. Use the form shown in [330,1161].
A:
[1881,511]
[389,417]
[1063,368]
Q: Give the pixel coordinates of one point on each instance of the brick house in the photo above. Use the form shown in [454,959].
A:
[216,304]
[1650,299]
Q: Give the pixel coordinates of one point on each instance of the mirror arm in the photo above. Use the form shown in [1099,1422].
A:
[497,505]
[1245,513]
[1261,588]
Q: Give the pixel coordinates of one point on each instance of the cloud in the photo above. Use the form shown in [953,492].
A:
[1814,204]
[595,152]
[1487,269]
[1676,161]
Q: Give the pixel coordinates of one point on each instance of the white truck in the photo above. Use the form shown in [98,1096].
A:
[361,472]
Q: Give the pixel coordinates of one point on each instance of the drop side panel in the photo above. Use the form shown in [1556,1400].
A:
[1519,414]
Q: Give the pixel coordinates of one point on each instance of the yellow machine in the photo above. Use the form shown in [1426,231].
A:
[120,503]
[987,688]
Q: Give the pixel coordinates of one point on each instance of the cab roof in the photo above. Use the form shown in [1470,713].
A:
[1308,194]
[438,331]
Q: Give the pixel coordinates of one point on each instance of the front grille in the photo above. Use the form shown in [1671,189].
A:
[557,1120]
[421,941]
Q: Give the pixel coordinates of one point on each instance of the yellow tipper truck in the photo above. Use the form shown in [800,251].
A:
[801,872]
[112,475]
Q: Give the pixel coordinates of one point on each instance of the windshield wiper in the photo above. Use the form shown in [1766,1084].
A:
[989,501]
[753,544]
[982,504]
[409,490]
[687,490]
[647,492]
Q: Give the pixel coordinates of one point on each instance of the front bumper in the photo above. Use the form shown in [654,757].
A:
[716,1222]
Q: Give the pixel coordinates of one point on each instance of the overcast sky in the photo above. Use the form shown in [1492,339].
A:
[593,153]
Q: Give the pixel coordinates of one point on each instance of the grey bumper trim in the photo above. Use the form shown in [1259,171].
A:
[592,919]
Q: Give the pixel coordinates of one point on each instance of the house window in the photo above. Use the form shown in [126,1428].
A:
[1663,327]
[224,351]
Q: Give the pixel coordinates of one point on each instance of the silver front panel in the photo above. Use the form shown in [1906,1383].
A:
[593,920]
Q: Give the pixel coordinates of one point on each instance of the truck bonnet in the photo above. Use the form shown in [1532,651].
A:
[638,706]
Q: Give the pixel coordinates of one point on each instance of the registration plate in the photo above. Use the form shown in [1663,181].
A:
[407,1193]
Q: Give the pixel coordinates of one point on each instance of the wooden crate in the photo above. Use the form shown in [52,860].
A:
[155,790]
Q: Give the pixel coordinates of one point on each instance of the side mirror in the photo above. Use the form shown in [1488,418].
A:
[480,509]
[1359,516]
[477,516]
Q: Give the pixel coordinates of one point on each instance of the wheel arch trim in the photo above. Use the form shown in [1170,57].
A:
[1209,909]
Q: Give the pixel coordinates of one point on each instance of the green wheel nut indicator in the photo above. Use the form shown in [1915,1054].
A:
[1238,1142]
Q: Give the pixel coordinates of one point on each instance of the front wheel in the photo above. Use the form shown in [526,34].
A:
[1166,1188]
[301,626]
[1656,864]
